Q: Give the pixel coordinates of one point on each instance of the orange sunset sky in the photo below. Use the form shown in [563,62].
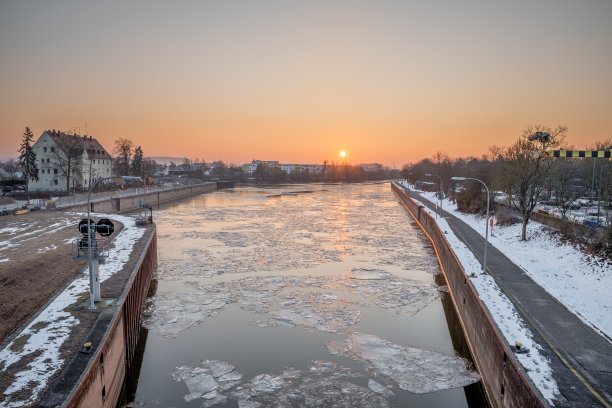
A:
[298,81]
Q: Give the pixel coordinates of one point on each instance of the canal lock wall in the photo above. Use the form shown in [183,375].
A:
[155,198]
[504,380]
[96,379]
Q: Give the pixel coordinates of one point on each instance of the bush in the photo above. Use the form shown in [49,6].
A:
[506,216]
[471,200]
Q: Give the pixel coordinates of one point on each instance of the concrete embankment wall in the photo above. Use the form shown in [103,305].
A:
[155,198]
[101,382]
[505,382]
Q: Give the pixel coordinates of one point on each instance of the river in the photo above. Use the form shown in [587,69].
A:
[298,295]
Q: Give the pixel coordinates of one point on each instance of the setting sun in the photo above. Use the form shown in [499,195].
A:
[343,154]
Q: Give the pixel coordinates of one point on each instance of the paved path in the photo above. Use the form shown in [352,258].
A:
[581,358]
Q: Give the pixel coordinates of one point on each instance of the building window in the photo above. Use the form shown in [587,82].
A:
[55,182]
[54,171]
[45,149]
[53,150]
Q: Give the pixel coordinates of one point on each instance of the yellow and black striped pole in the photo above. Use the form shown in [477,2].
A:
[604,154]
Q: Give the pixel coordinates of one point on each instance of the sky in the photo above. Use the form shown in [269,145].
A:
[299,81]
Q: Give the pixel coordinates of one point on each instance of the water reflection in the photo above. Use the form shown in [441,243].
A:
[263,280]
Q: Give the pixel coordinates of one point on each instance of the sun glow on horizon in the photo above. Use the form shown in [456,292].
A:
[342,154]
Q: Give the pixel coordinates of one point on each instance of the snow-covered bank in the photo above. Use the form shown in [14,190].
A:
[40,342]
[504,314]
[580,282]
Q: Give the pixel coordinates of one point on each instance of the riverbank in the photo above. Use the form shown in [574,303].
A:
[573,360]
[47,319]
[34,355]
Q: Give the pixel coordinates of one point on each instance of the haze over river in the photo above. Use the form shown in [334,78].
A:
[309,295]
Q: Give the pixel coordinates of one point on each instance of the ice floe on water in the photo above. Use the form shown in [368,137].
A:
[326,303]
[368,274]
[172,315]
[207,380]
[309,263]
[415,370]
[321,384]
[379,388]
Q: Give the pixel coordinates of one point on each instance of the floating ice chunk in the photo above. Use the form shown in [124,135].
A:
[169,316]
[327,320]
[291,373]
[368,274]
[230,377]
[320,367]
[248,404]
[198,381]
[322,384]
[205,380]
[220,368]
[213,398]
[266,383]
[418,371]
[379,388]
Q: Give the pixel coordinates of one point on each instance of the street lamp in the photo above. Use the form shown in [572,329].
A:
[441,193]
[484,263]
[94,277]
[539,136]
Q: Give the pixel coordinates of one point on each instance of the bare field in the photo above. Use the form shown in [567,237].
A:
[35,262]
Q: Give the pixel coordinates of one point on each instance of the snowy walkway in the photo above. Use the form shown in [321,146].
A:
[580,356]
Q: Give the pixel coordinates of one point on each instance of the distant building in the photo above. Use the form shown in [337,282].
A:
[249,168]
[371,167]
[89,161]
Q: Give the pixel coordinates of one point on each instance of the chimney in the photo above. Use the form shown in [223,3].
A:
[89,137]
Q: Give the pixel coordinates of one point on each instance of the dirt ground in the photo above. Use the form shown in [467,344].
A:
[36,262]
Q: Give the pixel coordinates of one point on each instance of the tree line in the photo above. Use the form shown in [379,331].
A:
[525,174]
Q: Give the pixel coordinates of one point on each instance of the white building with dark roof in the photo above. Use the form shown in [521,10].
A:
[59,155]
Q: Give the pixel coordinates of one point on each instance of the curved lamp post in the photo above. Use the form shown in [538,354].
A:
[94,278]
[484,263]
[441,193]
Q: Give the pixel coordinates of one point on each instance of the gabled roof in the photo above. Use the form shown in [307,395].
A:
[68,142]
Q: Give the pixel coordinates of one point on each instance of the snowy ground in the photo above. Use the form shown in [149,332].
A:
[52,327]
[580,282]
[502,310]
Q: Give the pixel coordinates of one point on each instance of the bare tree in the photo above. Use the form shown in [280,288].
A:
[68,157]
[11,167]
[562,183]
[123,155]
[527,168]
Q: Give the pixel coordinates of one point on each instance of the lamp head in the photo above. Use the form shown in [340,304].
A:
[458,178]
[541,136]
